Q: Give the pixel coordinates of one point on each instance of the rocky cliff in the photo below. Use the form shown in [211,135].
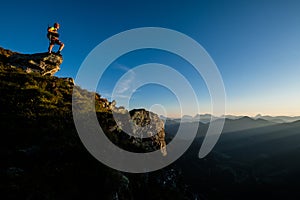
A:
[43,157]
[149,125]
[42,63]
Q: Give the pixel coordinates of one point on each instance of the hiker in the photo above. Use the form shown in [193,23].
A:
[53,37]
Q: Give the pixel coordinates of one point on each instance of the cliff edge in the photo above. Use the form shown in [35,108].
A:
[42,63]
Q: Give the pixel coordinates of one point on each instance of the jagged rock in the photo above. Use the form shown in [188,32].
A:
[145,128]
[148,124]
[70,81]
[43,63]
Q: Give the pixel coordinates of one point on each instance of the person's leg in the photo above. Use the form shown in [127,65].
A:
[62,45]
[50,47]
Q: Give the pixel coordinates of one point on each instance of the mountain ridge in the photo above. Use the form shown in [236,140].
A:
[40,144]
[206,118]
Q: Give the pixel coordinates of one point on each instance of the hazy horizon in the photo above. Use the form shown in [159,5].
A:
[238,115]
[159,112]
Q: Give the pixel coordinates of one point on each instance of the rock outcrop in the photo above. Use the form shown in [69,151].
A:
[145,128]
[42,63]
[147,124]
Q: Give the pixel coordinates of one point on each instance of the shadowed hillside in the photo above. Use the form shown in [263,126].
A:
[253,159]
[42,155]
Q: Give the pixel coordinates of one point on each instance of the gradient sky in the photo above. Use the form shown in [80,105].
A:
[254,43]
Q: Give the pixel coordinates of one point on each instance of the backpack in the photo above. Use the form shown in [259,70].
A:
[49,35]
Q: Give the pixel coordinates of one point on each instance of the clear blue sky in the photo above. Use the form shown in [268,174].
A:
[255,44]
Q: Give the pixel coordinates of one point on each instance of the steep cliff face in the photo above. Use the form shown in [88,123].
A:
[42,63]
[137,130]
[144,130]
[43,157]
[148,124]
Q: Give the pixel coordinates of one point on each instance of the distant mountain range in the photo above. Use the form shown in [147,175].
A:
[206,118]
[254,158]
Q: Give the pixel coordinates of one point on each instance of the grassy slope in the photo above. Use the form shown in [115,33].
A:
[43,155]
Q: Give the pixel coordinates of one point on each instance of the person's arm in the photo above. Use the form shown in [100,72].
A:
[53,32]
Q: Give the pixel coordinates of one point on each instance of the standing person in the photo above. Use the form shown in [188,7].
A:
[53,37]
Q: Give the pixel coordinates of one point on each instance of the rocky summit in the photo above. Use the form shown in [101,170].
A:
[42,63]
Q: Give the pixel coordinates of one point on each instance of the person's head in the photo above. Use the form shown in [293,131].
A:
[56,25]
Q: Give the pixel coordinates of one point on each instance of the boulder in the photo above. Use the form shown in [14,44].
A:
[147,124]
[43,63]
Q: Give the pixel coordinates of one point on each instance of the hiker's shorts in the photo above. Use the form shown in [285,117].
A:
[55,41]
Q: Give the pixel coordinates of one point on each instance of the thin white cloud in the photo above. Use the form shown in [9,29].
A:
[124,85]
[121,67]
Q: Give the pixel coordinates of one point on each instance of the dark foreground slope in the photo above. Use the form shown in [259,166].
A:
[43,157]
